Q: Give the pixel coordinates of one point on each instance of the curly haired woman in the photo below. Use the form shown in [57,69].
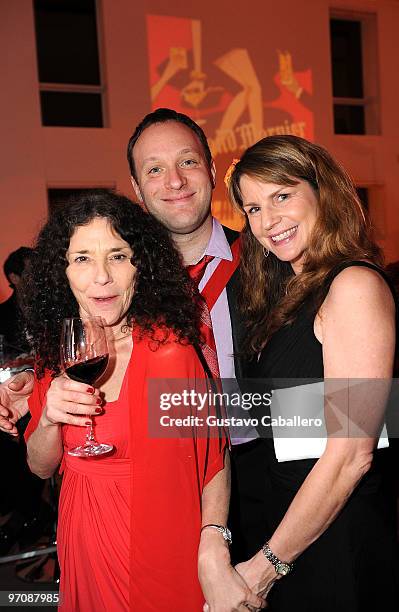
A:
[129,522]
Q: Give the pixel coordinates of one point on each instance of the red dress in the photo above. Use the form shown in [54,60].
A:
[129,522]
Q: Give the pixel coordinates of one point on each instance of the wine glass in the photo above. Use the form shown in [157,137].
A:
[84,357]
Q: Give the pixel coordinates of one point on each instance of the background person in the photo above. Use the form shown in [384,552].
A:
[11,321]
[22,498]
[317,305]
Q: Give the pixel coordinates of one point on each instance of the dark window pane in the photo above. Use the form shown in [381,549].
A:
[70,109]
[57,198]
[348,119]
[363,194]
[346,56]
[66,38]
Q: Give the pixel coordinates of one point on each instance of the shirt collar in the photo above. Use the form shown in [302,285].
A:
[218,245]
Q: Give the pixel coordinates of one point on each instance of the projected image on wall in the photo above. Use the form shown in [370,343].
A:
[235,96]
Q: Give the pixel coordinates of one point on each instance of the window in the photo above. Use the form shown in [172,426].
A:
[68,63]
[363,194]
[354,73]
[59,196]
[373,199]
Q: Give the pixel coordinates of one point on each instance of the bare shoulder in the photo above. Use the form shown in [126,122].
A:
[359,299]
[359,286]
[357,325]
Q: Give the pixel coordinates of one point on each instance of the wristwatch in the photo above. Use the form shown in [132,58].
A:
[226,533]
[281,568]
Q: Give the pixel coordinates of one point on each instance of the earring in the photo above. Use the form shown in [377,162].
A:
[265,252]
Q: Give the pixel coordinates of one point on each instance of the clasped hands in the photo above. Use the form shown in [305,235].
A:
[229,589]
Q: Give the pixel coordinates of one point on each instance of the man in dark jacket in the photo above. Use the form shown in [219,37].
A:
[173,175]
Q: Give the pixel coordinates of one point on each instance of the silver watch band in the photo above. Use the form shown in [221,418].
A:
[281,567]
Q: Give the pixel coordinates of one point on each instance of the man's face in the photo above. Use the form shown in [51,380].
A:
[174,181]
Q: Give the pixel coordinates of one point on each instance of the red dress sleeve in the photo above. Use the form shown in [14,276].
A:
[181,362]
[36,402]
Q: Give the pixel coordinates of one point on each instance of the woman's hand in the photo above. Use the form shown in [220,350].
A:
[70,402]
[224,589]
[258,573]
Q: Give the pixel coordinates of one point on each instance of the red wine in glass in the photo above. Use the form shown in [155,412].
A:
[88,371]
[84,358]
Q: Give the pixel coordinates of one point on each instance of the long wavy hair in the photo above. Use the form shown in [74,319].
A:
[164,295]
[271,294]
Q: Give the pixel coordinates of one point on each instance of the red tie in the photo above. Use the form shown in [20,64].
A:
[196,272]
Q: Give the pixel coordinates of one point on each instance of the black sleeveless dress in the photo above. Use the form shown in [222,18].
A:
[353,566]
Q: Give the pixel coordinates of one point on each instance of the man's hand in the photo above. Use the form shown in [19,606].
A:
[14,394]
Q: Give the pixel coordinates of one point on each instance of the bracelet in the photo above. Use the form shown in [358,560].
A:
[281,567]
[226,533]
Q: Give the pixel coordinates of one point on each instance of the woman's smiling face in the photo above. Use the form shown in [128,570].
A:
[282,218]
[100,272]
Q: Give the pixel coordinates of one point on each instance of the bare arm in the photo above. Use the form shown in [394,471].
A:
[357,329]
[223,587]
[44,448]
[215,505]
[66,402]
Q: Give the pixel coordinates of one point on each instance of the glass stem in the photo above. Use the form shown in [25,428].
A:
[90,437]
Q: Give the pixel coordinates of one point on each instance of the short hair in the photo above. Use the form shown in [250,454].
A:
[162,115]
[15,262]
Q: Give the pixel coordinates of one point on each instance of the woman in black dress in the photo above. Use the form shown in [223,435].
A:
[318,306]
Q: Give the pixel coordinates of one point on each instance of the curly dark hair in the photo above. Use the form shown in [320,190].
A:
[164,295]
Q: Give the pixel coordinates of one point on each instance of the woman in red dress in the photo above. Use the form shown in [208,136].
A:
[130,521]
